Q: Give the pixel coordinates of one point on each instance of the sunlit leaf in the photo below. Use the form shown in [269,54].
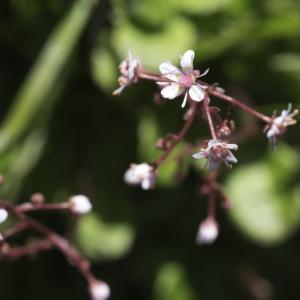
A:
[201,6]
[265,207]
[172,284]
[101,240]
[154,47]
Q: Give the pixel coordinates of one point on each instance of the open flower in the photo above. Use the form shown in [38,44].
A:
[207,232]
[129,69]
[142,174]
[280,123]
[217,151]
[182,80]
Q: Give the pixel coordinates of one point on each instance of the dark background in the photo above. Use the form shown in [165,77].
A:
[62,133]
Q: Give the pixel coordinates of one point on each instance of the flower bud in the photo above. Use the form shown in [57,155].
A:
[142,174]
[207,232]
[3,215]
[99,290]
[80,204]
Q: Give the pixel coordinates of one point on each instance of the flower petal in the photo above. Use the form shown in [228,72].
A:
[204,73]
[184,100]
[199,155]
[169,71]
[172,91]
[232,146]
[230,157]
[187,60]
[196,93]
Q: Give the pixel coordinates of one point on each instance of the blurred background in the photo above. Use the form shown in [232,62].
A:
[62,133]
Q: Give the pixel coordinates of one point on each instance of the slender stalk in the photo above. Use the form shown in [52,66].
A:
[187,125]
[13,253]
[209,120]
[212,205]
[28,207]
[213,92]
[69,251]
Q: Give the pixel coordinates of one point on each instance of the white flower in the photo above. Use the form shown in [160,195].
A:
[80,204]
[129,69]
[3,215]
[280,123]
[142,174]
[207,232]
[217,151]
[99,290]
[182,80]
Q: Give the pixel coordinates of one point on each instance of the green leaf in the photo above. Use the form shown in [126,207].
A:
[45,74]
[152,12]
[201,6]
[104,68]
[154,47]
[172,284]
[101,240]
[266,208]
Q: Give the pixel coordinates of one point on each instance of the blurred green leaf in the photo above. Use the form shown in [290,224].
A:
[201,6]
[152,12]
[286,62]
[45,74]
[105,241]
[172,284]
[154,47]
[104,68]
[265,206]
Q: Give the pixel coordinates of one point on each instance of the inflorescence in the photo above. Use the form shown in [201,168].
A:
[49,239]
[185,81]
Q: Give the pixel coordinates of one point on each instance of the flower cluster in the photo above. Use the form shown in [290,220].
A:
[79,205]
[186,81]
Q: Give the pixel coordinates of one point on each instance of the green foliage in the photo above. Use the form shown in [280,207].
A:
[100,240]
[265,205]
[172,284]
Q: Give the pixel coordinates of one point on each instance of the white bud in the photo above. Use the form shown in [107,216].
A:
[142,174]
[80,204]
[1,237]
[207,232]
[3,215]
[99,290]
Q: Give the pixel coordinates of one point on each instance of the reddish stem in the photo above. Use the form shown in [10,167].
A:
[209,120]
[29,207]
[70,252]
[214,92]
[13,253]
[178,138]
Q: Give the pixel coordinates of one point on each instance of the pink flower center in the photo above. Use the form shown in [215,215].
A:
[186,80]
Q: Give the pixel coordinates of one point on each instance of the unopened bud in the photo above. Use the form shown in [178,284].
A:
[37,198]
[99,290]
[207,232]
[3,215]
[80,204]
